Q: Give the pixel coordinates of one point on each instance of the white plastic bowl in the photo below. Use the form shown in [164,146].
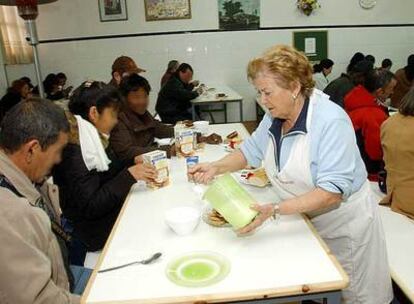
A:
[202,126]
[182,220]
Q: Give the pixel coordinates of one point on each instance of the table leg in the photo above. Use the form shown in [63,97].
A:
[193,112]
[241,110]
[225,112]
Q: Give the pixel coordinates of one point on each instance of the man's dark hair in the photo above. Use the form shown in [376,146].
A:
[357,57]
[32,119]
[377,78]
[370,58]
[386,63]
[184,67]
[133,83]
[50,81]
[61,76]
[94,94]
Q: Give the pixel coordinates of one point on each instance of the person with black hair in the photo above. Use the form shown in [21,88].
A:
[61,79]
[136,130]
[365,106]
[357,57]
[386,64]
[321,72]
[171,69]
[174,98]
[370,58]
[28,81]
[93,183]
[18,91]
[405,81]
[34,258]
[340,87]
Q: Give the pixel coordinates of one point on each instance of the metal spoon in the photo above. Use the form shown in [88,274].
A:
[156,256]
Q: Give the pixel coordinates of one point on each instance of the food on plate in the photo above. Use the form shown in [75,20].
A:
[256,177]
[216,219]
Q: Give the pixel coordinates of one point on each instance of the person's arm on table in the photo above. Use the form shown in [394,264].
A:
[204,173]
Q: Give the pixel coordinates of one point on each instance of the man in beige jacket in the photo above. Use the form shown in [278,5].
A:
[32,137]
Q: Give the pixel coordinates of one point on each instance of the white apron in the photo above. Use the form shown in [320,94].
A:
[353,231]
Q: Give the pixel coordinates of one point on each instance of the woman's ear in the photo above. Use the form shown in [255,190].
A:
[93,114]
[295,88]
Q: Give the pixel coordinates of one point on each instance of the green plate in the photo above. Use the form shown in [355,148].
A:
[198,269]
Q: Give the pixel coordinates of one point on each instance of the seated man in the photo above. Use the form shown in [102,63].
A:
[33,258]
[341,86]
[122,67]
[365,106]
[174,98]
[136,129]
[397,135]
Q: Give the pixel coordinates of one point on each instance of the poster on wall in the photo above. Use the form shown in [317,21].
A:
[156,10]
[112,10]
[313,43]
[239,14]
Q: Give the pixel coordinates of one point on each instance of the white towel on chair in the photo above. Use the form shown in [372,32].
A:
[93,151]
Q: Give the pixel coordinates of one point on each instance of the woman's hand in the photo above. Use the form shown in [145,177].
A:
[203,173]
[138,159]
[265,212]
[144,172]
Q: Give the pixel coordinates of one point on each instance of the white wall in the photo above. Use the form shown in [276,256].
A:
[217,56]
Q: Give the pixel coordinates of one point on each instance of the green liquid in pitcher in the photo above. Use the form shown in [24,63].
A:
[198,271]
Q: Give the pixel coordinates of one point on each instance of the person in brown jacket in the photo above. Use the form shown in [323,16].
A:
[397,134]
[405,81]
[137,129]
[33,268]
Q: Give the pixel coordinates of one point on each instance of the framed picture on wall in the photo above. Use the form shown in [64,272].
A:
[113,10]
[313,43]
[167,9]
[239,15]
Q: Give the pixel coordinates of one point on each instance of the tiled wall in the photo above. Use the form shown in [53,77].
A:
[218,57]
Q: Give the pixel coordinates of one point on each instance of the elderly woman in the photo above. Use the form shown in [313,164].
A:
[308,148]
[397,134]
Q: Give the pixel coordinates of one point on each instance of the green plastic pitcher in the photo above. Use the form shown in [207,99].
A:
[231,200]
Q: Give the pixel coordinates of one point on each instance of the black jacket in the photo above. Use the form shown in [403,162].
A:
[173,101]
[91,200]
[338,88]
[8,101]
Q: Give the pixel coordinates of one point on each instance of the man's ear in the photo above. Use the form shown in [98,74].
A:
[30,148]
[379,92]
[117,77]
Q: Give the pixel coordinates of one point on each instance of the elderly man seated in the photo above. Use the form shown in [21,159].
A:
[34,259]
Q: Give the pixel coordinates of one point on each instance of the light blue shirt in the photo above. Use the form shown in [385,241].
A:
[336,164]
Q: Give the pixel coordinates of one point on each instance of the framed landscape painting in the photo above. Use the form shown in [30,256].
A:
[113,10]
[167,9]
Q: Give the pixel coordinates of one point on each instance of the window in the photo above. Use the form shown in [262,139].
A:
[16,50]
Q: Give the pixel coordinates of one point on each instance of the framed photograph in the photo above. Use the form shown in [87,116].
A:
[113,10]
[313,43]
[167,9]
[239,15]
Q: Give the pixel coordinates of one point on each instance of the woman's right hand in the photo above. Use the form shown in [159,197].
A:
[144,172]
[203,173]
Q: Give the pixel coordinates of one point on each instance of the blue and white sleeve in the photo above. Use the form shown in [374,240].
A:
[254,148]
